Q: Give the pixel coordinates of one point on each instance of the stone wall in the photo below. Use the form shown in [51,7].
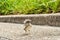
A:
[38,19]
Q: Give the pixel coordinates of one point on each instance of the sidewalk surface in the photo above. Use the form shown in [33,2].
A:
[11,31]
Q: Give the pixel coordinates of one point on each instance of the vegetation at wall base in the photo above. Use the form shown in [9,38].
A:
[8,7]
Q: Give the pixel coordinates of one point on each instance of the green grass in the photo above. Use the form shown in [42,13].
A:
[29,6]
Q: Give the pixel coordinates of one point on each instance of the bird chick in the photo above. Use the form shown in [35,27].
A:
[28,25]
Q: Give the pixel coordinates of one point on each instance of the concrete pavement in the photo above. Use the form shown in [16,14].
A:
[11,31]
